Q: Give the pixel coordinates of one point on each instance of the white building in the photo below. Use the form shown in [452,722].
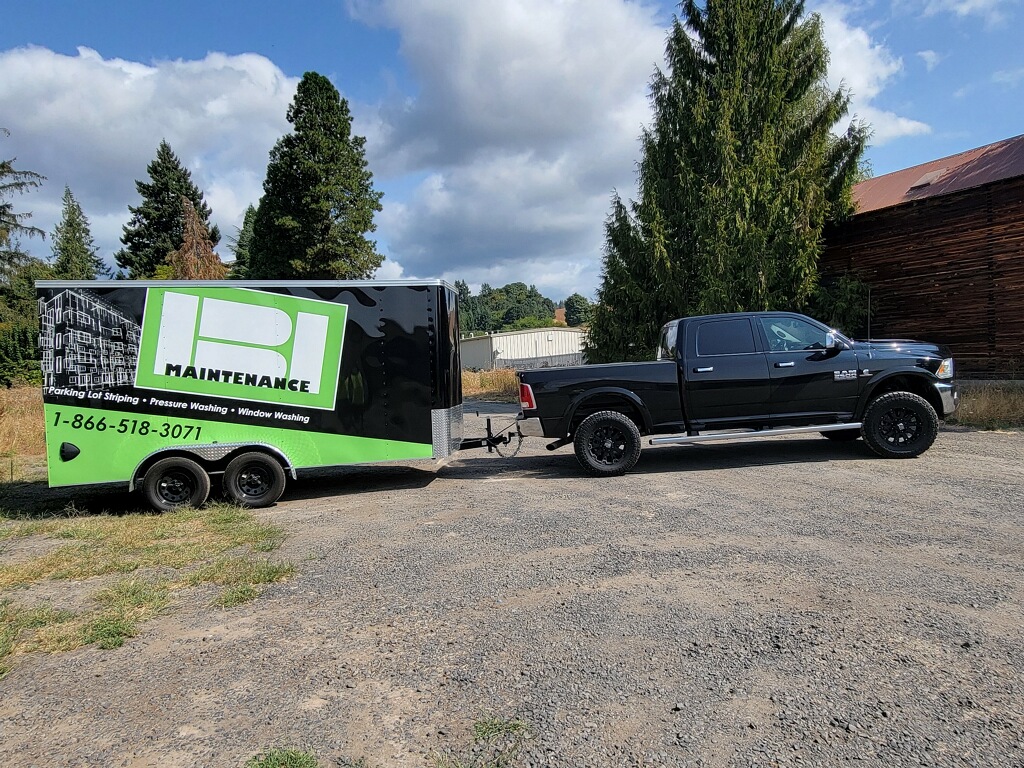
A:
[532,348]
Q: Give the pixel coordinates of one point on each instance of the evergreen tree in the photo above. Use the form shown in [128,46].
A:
[14,182]
[739,173]
[155,228]
[318,202]
[577,310]
[195,259]
[74,252]
[239,245]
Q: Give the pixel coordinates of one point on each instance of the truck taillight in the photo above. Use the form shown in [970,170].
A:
[526,401]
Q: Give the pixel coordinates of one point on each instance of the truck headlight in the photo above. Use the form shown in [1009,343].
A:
[945,369]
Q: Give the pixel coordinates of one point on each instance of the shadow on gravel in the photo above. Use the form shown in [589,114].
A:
[320,483]
[692,458]
[36,500]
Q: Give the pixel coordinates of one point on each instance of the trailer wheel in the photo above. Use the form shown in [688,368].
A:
[607,443]
[254,480]
[176,482]
[900,425]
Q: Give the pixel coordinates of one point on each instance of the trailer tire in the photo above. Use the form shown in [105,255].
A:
[176,482]
[254,480]
[842,435]
[607,443]
[900,425]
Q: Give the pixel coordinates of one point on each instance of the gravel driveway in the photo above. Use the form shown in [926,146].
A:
[779,602]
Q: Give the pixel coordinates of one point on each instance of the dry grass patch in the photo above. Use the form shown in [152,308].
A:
[501,385]
[990,406]
[21,422]
[159,554]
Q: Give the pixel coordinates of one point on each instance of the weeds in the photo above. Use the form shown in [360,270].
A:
[283,758]
[501,385]
[194,542]
[990,407]
[496,742]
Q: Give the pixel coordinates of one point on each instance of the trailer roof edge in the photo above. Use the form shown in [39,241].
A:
[243,283]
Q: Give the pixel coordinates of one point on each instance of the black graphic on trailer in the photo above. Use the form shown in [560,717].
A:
[86,342]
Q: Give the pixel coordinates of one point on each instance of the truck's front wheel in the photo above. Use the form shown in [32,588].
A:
[607,443]
[900,425]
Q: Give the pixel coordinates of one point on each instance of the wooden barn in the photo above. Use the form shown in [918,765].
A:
[942,247]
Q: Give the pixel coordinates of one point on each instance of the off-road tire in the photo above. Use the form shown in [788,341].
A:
[842,435]
[900,425]
[254,480]
[607,443]
[176,482]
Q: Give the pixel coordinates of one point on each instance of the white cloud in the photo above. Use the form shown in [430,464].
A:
[95,124]
[527,116]
[992,11]
[931,59]
[1009,77]
[865,67]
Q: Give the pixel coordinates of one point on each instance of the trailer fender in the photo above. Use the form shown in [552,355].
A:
[208,454]
[608,398]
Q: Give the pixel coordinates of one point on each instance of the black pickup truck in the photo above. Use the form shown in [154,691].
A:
[734,376]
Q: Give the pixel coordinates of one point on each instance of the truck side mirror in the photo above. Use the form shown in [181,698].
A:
[830,341]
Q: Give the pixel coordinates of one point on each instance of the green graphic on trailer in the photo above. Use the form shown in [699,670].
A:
[242,344]
[113,443]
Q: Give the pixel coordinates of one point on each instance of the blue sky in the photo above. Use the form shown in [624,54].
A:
[497,130]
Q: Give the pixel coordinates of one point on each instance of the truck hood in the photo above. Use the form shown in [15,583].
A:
[909,347]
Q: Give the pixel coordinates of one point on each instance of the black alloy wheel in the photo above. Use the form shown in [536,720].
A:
[607,443]
[900,425]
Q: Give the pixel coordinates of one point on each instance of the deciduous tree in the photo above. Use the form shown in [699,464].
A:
[195,259]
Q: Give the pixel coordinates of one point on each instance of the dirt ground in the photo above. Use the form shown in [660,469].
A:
[778,602]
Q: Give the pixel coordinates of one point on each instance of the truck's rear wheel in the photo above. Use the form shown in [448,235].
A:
[254,480]
[607,443]
[900,425]
[176,482]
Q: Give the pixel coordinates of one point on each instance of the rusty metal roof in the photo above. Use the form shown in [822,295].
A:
[973,168]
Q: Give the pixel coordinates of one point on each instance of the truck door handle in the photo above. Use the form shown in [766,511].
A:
[785,365]
[704,370]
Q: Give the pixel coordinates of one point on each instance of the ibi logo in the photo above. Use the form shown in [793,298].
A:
[241,344]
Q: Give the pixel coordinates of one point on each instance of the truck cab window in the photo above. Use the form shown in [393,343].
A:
[725,337]
[667,345]
[788,334]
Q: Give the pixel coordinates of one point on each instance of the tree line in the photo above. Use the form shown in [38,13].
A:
[740,173]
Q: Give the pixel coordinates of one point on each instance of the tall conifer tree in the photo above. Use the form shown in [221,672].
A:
[318,202]
[74,253]
[155,228]
[739,172]
[240,244]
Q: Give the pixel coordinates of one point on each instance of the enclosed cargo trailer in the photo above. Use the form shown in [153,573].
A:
[163,384]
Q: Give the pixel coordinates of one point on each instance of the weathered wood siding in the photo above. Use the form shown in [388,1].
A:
[947,269]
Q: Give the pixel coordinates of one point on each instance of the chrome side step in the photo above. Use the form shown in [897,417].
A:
[748,435]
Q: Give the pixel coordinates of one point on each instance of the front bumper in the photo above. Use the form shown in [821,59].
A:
[950,396]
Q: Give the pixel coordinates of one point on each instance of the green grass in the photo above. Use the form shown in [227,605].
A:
[283,758]
[187,548]
[496,742]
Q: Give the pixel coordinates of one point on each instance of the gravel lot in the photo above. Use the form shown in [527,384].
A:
[778,602]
